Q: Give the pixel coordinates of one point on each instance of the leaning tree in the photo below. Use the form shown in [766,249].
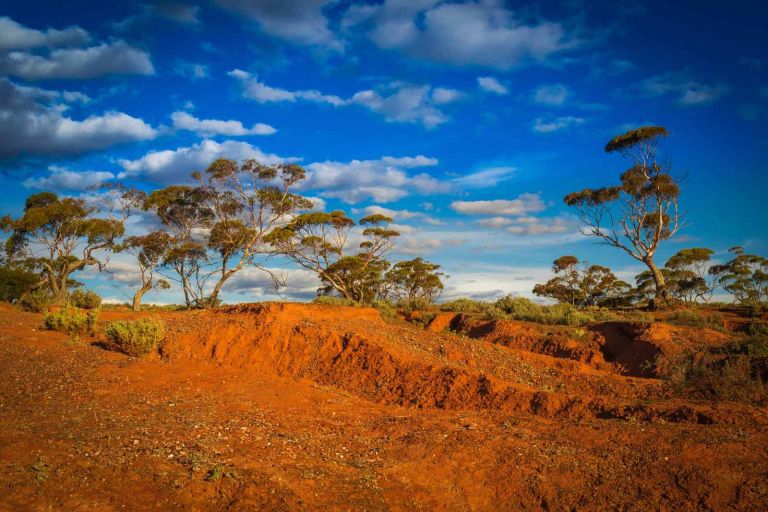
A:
[643,210]
[150,251]
[60,236]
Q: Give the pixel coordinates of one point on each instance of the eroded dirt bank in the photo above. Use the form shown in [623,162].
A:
[291,407]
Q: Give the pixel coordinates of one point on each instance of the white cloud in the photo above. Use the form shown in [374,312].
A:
[32,121]
[175,166]
[490,84]
[553,95]
[14,36]
[254,283]
[299,21]
[105,59]
[397,102]
[542,125]
[60,178]
[688,91]
[525,203]
[209,127]
[263,93]
[486,178]
[404,103]
[383,180]
[191,70]
[541,227]
[494,222]
[443,95]
[472,33]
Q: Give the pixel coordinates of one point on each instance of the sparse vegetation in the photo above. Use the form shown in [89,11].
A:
[135,338]
[70,319]
[734,372]
[692,318]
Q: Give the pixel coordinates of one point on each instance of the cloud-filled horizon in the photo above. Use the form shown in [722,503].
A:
[466,121]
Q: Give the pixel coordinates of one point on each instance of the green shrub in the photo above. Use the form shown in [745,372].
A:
[36,301]
[85,299]
[464,305]
[387,310]
[135,338]
[71,320]
[696,319]
[15,282]
[330,300]
[757,329]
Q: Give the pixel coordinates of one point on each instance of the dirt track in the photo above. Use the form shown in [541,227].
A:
[291,407]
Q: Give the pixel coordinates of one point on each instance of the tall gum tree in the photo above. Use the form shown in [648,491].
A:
[641,212]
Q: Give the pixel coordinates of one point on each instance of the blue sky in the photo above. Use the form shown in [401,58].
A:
[469,120]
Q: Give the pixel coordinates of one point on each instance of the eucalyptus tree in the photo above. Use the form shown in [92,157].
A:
[581,285]
[150,251]
[642,211]
[319,241]
[60,236]
[745,277]
[415,282]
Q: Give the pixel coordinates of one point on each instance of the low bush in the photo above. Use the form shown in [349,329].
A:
[85,299]
[464,305]
[71,319]
[757,329]
[36,301]
[697,319]
[135,338]
[330,300]
[387,310]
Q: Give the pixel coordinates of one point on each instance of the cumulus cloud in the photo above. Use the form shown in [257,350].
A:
[542,125]
[60,178]
[209,127]
[405,103]
[523,204]
[687,91]
[399,214]
[14,36]
[33,121]
[105,59]
[540,226]
[485,178]
[175,166]
[443,95]
[383,180]
[179,12]
[490,84]
[553,95]
[300,21]
[471,33]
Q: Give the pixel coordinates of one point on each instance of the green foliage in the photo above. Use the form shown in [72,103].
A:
[520,308]
[745,277]
[635,137]
[329,300]
[135,338]
[415,283]
[387,310]
[758,329]
[36,301]
[691,318]
[71,319]
[587,286]
[15,282]
[85,299]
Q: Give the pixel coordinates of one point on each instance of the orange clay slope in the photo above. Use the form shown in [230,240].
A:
[307,407]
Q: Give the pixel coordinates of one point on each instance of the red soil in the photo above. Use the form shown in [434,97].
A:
[292,407]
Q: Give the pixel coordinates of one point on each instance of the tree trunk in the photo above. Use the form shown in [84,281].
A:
[139,294]
[216,289]
[661,284]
